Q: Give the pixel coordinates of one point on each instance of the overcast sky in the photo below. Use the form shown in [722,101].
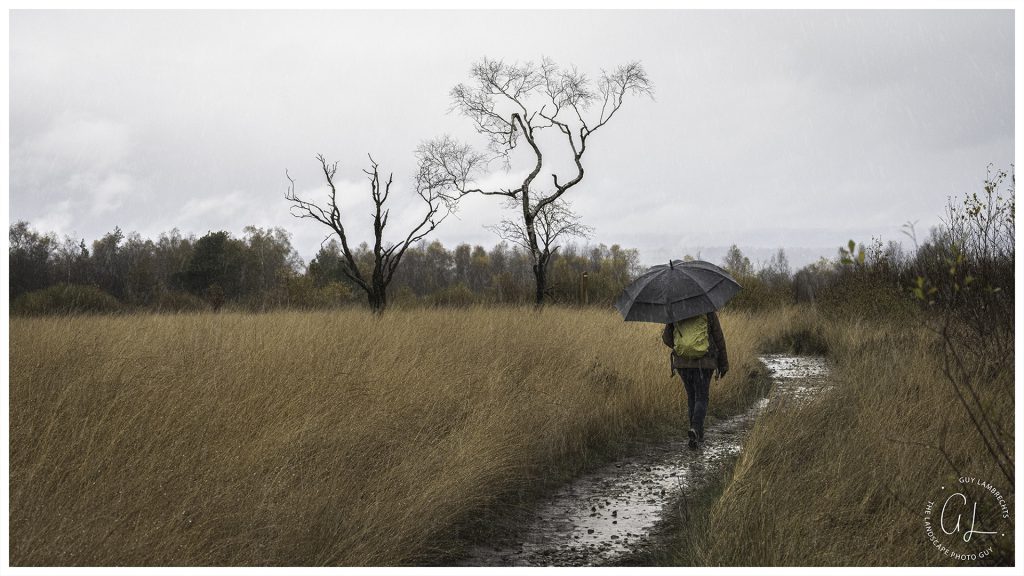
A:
[768,129]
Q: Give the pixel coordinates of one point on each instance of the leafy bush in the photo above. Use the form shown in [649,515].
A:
[758,294]
[65,299]
[864,294]
[454,295]
[298,292]
[174,301]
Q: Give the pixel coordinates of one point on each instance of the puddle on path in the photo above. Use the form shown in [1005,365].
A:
[795,377]
[613,511]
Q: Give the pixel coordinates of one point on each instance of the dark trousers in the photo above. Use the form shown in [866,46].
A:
[697,382]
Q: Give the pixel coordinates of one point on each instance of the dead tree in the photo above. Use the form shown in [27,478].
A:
[554,221]
[512,102]
[386,257]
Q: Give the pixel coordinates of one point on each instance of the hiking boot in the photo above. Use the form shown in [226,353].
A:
[692,435]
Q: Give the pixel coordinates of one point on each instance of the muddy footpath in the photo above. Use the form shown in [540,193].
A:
[616,511]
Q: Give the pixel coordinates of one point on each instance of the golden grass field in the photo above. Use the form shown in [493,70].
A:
[320,438]
[340,438]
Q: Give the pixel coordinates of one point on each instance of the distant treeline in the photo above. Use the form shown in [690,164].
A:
[261,270]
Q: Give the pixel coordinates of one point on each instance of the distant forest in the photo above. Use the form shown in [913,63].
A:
[971,252]
[261,270]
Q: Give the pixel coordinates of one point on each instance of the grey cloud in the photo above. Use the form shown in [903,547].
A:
[768,128]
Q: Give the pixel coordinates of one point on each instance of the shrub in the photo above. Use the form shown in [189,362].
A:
[302,292]
[454,295]
[65,299]
[403,296]
[760,295]
[863,293]
[215,296]
[173,301]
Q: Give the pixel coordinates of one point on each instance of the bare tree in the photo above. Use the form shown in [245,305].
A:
[386,257]
[554,221]
[512,102]
[736,263]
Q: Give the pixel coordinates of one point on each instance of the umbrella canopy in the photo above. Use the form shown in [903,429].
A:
[673,292]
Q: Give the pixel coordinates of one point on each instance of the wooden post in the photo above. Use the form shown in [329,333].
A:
[586,295]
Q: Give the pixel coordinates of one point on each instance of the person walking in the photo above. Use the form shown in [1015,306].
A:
[698,352]
[685,296]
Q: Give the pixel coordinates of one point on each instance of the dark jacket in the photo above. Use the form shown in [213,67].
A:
[715,359]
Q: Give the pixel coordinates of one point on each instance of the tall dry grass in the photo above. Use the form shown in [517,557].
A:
[321,438]
[844,479]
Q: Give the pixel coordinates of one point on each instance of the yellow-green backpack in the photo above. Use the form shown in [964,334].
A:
[690,337]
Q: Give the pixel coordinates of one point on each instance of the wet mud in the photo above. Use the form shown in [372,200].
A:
[616,511]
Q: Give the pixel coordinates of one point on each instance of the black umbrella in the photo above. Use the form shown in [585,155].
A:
[673,292]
